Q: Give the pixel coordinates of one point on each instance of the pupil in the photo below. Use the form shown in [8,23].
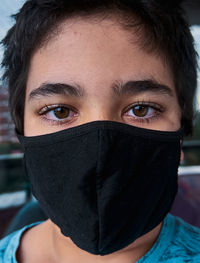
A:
[61,113]
[140,111]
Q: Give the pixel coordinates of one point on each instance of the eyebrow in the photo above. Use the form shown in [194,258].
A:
[119,89]
[48,89]
[141,86]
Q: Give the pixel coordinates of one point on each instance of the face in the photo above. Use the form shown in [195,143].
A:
[98,71]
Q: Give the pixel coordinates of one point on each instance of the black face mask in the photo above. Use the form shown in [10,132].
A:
[104,183]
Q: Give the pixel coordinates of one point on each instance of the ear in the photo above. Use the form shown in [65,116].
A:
[182,154]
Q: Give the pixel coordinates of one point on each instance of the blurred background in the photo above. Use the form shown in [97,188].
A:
[14,186]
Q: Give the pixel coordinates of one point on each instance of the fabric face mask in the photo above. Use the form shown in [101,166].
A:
[104,183]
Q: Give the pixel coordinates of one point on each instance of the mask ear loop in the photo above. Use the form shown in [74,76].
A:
[27,187]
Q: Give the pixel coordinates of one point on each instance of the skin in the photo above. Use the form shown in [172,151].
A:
[94,57]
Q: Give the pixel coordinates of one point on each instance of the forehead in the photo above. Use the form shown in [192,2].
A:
[95,53]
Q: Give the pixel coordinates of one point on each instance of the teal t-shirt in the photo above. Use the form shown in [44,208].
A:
[178,242]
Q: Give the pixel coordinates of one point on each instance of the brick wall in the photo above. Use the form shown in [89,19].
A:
[6,126]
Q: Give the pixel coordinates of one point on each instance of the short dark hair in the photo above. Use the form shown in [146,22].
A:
[163,22]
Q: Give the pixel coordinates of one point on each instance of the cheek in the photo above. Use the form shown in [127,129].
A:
[175,116]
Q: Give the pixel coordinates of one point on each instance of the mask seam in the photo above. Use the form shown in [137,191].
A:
[97,191]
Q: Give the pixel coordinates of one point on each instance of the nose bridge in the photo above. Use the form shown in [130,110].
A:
[99,116]
[99,112]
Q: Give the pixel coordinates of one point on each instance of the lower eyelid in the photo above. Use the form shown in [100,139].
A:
[143,120]
[57,122]
[146,119]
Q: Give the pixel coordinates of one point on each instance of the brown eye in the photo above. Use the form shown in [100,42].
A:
[144,112]
[61,112]
[140,110]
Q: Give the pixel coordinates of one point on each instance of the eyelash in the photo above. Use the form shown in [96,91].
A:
[48,108]
[158,109]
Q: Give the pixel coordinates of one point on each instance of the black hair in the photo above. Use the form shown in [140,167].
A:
[162,22]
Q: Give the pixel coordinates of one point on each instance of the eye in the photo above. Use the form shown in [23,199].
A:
[143,111]
[60,112]
[140,110]
[57,113]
